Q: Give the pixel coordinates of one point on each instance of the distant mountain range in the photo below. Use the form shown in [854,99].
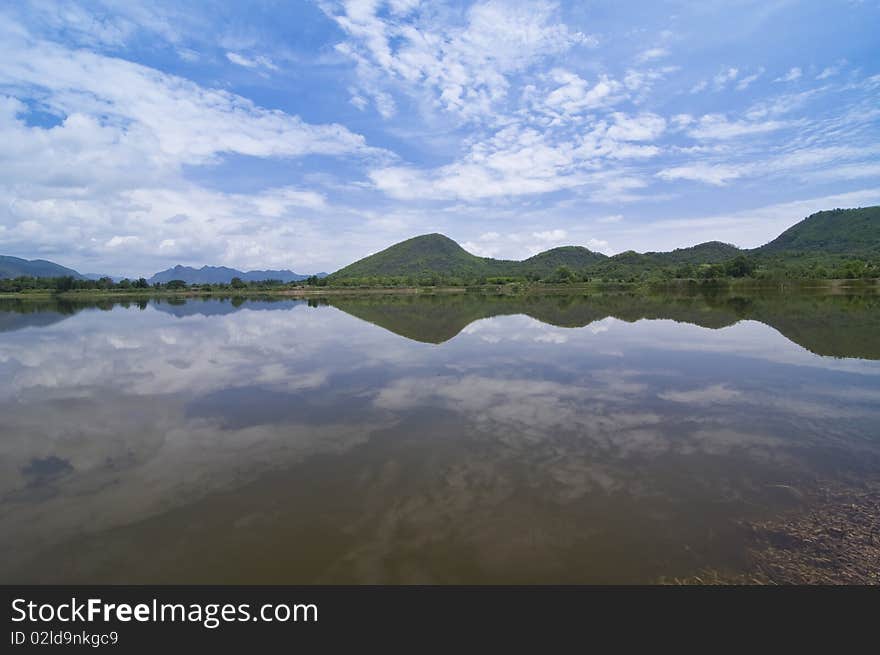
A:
[11,267]
[98,276]
[222,274]
[834,234]
[843,232]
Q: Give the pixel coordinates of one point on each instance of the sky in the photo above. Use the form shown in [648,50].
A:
[307,134]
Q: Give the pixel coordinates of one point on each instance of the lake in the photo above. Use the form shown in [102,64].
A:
[425,439]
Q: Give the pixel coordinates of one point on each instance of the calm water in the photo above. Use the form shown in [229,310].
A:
[410,440]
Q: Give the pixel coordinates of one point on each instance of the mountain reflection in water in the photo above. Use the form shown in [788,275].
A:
[566,438]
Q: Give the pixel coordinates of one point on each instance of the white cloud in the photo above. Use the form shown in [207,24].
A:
[523,244]
[715,394]
[715,174]
[830,71]
[550,235]
[806,163]
[726,75]
[652,53]
[504,111]
[180,121]
[643,127]
[575,94]
[358,101]
[748,228]
[600,245]
[846,172]
[188,55]
[792,75]
[717,126]
[519,160]
[745,82]
[118,241]
[463,66]
[111,173]
[259,61]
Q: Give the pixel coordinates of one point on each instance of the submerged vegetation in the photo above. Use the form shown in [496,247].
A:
[831,539]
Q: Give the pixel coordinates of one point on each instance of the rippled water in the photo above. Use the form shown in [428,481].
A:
[462,439]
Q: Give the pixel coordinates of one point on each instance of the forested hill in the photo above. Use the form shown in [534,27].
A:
[438,255]
[838,243]
[835,243]
[853,232]
[432,253]
[11,267]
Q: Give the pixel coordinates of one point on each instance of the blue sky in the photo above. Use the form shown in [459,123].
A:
[305,135]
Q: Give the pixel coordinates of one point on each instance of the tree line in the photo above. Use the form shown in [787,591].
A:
[69,283]
[787,267]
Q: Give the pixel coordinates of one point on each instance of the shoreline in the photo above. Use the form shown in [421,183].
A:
[689,285]
[833,538]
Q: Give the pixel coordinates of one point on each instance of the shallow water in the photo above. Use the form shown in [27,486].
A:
[463,439]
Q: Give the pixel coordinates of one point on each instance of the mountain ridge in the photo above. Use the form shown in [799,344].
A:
[823,237]
[16,267]
[837,232]
[223,275]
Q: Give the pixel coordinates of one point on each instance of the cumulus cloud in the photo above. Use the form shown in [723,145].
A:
[523,244]
[574,94]
[508,111]
[182,121]
[116,157]
[644,127]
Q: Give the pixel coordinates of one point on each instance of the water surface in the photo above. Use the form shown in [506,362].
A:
[463,439]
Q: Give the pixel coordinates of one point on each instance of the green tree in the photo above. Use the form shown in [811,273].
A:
[739,267]
[564,274]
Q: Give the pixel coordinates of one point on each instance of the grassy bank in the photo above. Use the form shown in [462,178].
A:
[685,286]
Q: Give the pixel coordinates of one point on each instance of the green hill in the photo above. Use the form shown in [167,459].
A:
[429,253]
[575,257]
[15,267]
[711,252]
[854,232]
[630,263]
[829,244]
[437,255]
